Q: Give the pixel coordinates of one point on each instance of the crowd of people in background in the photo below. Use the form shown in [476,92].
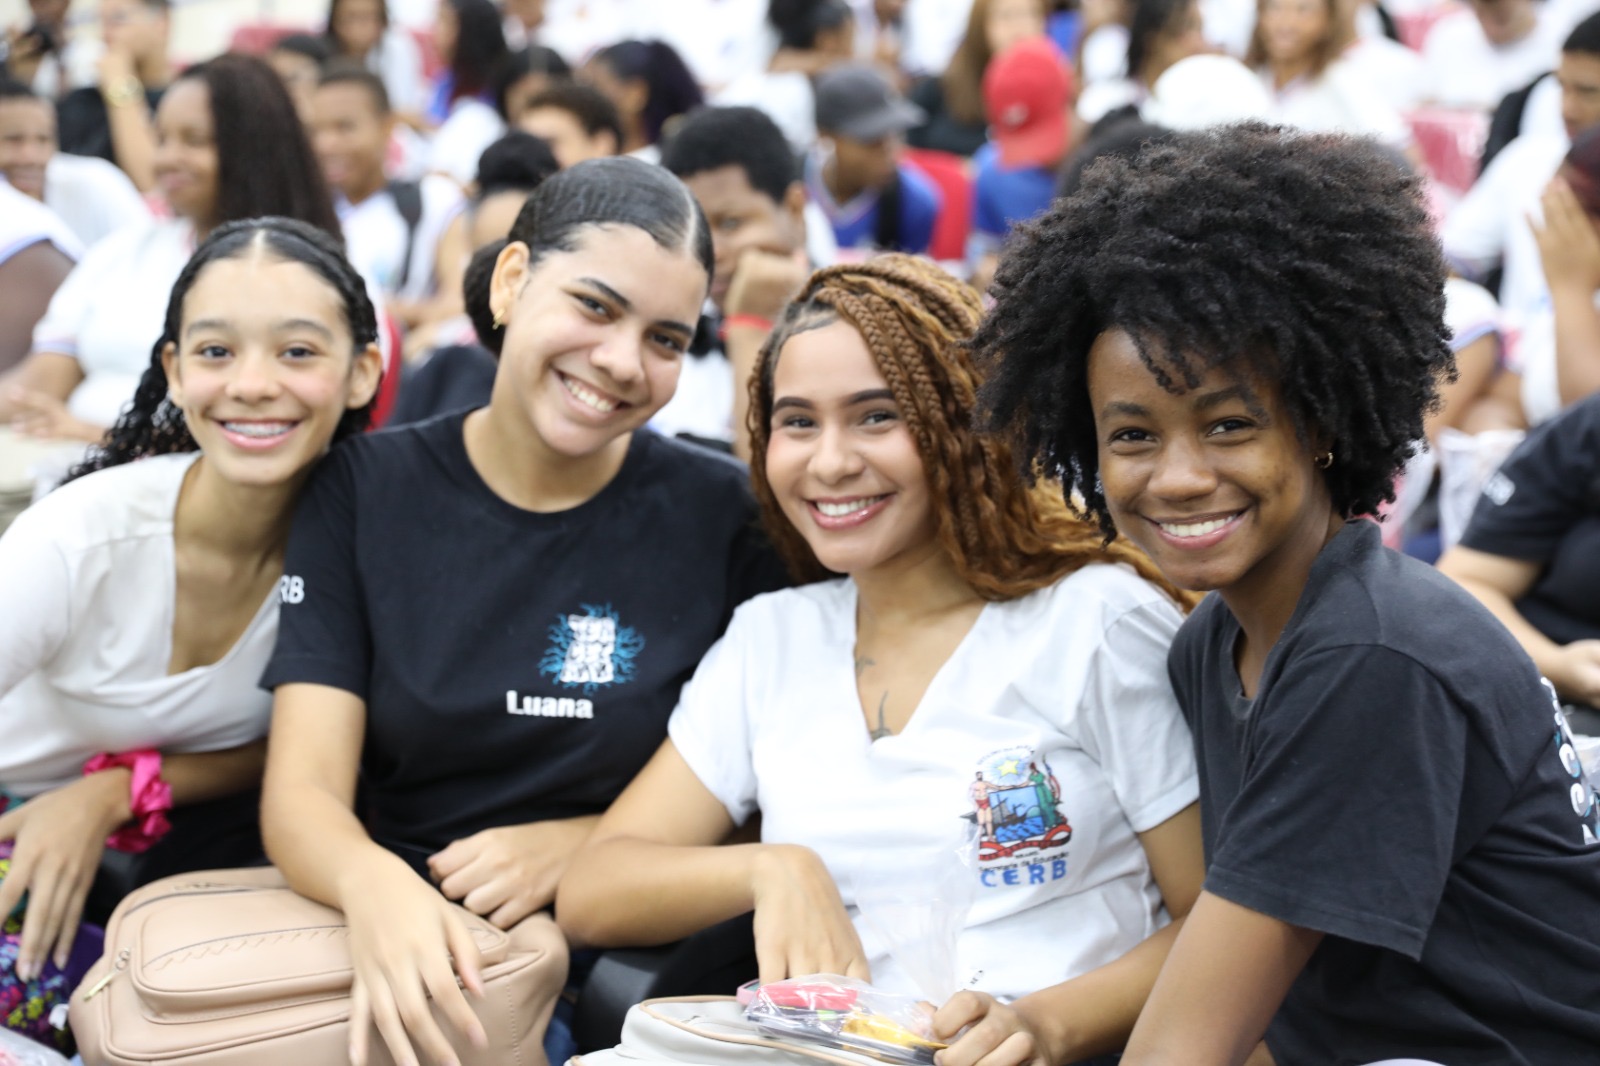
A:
[826,371]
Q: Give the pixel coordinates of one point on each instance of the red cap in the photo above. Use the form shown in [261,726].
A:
[1026,91]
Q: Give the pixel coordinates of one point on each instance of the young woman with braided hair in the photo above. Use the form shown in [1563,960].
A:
[139,602]
[967,649]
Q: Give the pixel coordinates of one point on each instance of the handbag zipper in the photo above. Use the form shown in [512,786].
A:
[100,985]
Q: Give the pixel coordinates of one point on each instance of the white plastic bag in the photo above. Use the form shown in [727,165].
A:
[18,1050]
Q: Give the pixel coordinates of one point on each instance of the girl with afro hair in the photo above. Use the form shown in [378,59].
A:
[967,649]
[1227,345]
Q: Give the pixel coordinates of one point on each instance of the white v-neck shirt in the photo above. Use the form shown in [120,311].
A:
[88,586]
[1073,676]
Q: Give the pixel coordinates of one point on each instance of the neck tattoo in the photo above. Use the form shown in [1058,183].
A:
[880,731]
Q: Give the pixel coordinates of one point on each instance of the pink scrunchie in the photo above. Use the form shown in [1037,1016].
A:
[149,798]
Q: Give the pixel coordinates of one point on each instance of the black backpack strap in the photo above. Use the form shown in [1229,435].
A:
[886,235]
[408,201]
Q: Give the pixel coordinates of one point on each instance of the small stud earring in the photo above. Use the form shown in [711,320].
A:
[1325,461]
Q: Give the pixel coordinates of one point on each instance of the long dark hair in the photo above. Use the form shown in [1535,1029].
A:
[264,161]
[152,424]
[614,191]
[480,48]
[670,84]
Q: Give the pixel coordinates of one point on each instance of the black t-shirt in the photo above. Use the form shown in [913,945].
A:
[83,125]
[1544,507]
[516,666]
[1404,783]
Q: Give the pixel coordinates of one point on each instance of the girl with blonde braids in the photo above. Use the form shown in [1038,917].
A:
[967,649]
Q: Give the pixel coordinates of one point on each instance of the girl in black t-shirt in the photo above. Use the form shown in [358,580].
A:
[493,611]
[1228,343]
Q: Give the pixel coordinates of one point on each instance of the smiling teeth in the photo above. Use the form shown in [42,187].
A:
[588,396]
[839,510]
[258,429]
[1198,529]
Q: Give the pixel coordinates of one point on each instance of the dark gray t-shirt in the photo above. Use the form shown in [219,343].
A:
[1402,782]
[1544,507]
[516,666]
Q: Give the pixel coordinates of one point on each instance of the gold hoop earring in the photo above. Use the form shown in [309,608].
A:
[1325,461]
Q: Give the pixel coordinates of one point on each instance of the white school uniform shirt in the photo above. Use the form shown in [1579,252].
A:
[397,59]
[1462,69]
[109,312]
[1490,225]
[1071,679]
[94,197]
[375,235]
[1339,100]
[87,600]
[456,145]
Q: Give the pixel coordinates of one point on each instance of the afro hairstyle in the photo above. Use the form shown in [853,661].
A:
[1303,260]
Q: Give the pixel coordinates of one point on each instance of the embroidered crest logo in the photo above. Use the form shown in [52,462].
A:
[1022,832]
[591,649]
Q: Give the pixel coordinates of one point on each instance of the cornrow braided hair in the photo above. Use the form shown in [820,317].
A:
[151,424]
[1007,537]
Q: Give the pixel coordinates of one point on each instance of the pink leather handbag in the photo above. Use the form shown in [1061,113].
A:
[234,968]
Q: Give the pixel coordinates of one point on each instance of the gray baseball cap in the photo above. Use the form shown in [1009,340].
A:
[854,100]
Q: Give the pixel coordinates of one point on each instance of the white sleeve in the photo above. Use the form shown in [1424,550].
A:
[36,604]
[117,200]
[710,727]
[1474,234]
[1470,312]
[73,302]
[401,61]
[1130,721]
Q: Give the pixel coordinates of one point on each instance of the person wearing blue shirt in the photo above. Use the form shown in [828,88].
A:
[871,199]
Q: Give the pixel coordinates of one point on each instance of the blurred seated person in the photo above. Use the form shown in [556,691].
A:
[578,121]
[813,36]
[299,60]
[37,252]
[359,31]
[766,237]
[112,118]
[1027,93]
[1160,33]
[1531,553]
[523,76]
[508,171]
[391,228]
[472,46]
[854,173]
[1297,49]
[1473,57]
[953,102]
[90,195]
[1488,228]
[1559,351]
[650,85]
[45,55]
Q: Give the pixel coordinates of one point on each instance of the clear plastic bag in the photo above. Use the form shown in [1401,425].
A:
[18,1050]
[846,1014]
[919,910]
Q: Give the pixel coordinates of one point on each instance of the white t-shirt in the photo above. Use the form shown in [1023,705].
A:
[87,583]
[932,30]
[92,196]
[1339,100]
[472,126]
[110,311]
[25,222]
[1490,225]
[375,234]
[398,61]
[1071,679]
[786,98]
[1462,69]
[1391,68]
